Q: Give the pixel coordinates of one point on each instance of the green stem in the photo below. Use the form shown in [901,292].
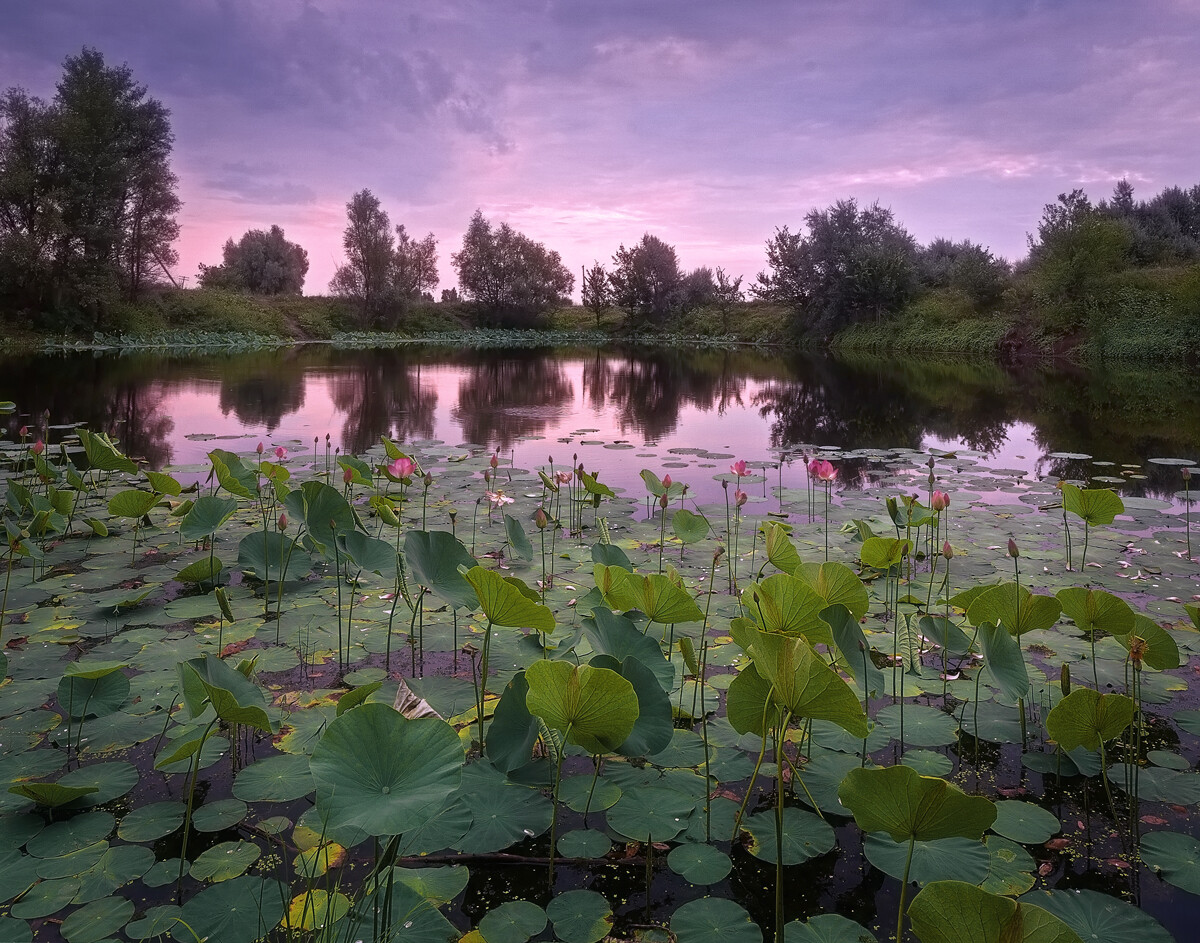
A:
[912,842]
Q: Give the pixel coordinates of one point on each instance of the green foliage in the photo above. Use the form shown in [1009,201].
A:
[261,263]
[957,912]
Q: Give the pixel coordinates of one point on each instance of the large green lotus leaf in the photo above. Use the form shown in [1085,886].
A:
[957,912]
[614,584]
[281,778]
[945,633]
[855,650]
[132,503]
[940,860]
[837,584]
[594,487]
[157,922]
[803,684]
[326,514]
[61,838]
[219,815]
[93,689]
[1025,822]
[654,726]
[1010,868]
[242,910]
[514,921]
[150,822]
[111,781]
[45,898]
[436,557]
[97,920]
[580,916]
[51,795]
[923,726]
[782,603]
[204,570]
[1014,607]
[1161,651]
[595,707]
[883,553]
[513,730]
[1094,610]
[103,454]
[748,704]
[232,473]
[511,814]
[690,528]
[1099,918]
[714,920]
[377,771]
[804,836]
[611,555]
[1003,657]
[699,863]
[265,554]
[164,483]
[232,695]
[583,791]
[658,813]
[72,865]
[413,919]
[781,552]
[369,553]
[15,931]
[518,540]
[827,928]
[207,516]
[662,600]
[118,866]
[1096,506]
[616,635]
[504,603]
[224,861]
[1086,718]
[901,802]
[1175,856]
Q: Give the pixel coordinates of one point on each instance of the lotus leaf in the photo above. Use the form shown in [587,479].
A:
[1086,718]
[906,805]
[504,603]
[595,707]
[436,558]
[957,912]
[580,916]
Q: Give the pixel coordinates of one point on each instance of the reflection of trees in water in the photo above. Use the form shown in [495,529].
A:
[883,404]
[260,389]
[381,393]
[119,396]
[647,389]
[506,395]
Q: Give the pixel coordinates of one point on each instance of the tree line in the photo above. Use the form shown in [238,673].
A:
[88,220]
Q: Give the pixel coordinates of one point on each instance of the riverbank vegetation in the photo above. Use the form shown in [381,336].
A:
[88,224]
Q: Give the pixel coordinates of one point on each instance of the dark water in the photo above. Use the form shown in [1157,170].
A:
[542,403]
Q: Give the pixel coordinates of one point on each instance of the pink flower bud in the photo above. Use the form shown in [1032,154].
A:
[38,447]
[1187,473]
[666,481]
[540,518]
[283,521]
[1012,548]
[939,501]
[947,550]
[812,467]
[663,502]
[495,460]
[24,430]
[401,467]
[428,479]
[740,497]
[259,448]
[280,453]
[347,475]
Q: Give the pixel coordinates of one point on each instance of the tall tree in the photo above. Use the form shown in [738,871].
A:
[507,276]
[646,280]
[1076,246]
[29,214]
[367,273]
[727,295]
[595,292]
[414,268]
[966,267]
[852,263]
[261,263]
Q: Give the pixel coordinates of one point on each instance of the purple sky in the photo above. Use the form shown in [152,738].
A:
[585,124]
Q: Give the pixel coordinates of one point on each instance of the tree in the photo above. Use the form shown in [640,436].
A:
[965,267]
[697,289]
[1076,246]
[366,275]
[87,196]
[727,294]
[595,292]
[851,264]
[508,277]
[414,268]
[646,280]
[261,263]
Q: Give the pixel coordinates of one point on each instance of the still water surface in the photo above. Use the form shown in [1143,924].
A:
[612,407]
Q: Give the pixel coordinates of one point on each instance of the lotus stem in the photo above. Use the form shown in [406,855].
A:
[912,842]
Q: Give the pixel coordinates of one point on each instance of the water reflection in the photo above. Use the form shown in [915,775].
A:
[747,402]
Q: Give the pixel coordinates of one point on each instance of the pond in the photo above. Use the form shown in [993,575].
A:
[760,700]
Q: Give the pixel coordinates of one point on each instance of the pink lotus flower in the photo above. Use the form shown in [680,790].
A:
[283,522]
[563,478]
[947,550]
[38,447]
[347,475]
[939,501]
[498,498]
[825,470]
[24,430]
[540,518]
[740,497]
[666,481]
[812,467]
[495,460]
[280,453]
[402,467]
[739,468]
[259,448]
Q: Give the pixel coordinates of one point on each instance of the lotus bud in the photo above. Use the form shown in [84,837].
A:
[663,502]
[24,430]
[1187,473]
[740,497]
[259,448]
[939,501]
[540,518]
[947,550]
[495,460]
[718,553]
[428,479]
[1137,651]
[280,453]
[487,476]
[347,475]
[283,521]
[666,481]
[1012,548]
[38,447]
[1064,679]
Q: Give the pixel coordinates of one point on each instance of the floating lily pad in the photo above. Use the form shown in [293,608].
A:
[580,916]
[700,864]
[714,920]
[514,921]
[1025,822]
[1175,856]
[584,843]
